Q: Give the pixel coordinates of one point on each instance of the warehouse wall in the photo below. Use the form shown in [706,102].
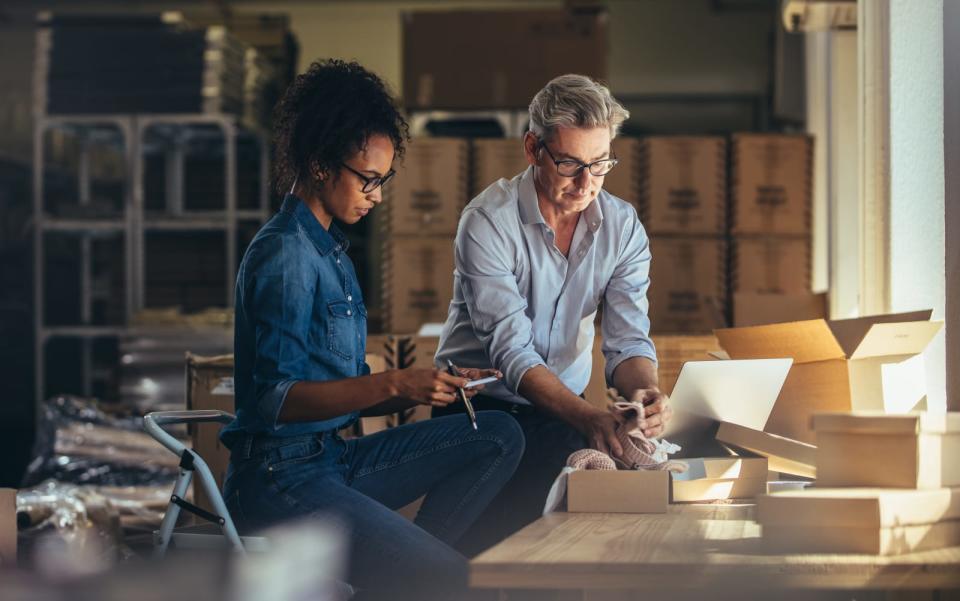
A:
[917,273]
[951,143]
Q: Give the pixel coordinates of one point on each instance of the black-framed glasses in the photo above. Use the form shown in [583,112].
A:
[370,183]
[573,167]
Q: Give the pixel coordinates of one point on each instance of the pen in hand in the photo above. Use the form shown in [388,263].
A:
[471,414]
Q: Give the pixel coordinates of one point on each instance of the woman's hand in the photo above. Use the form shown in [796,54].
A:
[428,386]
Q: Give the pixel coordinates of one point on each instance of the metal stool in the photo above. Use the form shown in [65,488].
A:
[191,462]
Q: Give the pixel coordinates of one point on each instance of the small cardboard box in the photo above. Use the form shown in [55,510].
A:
[752,309]
[618,491]
[772,183]
[860,520]
[771,264]
[716,478]
[430,188]
[690,290]
[783,455]
[869,363]
[624,180]
[495,158]
[683,183]
[8,527]
[918,450]
[417,281]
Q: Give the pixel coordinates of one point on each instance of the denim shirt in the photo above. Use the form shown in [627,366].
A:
[299,317]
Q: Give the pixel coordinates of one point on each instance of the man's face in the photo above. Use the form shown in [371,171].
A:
[568,194]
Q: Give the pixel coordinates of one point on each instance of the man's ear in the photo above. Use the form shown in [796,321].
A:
[530,143]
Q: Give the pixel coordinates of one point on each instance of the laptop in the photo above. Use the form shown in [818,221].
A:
[742,392]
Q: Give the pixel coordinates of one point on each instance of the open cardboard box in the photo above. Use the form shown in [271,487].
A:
[869,363]
[718,478]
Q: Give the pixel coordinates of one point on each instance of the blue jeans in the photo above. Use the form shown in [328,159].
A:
[362,480]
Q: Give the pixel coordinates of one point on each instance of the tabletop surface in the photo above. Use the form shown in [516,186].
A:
[691,546]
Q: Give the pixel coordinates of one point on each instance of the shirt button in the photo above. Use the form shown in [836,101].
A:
[349,297]
[338,261]
[349,312]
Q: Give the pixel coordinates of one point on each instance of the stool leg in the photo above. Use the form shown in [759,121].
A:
[162,536]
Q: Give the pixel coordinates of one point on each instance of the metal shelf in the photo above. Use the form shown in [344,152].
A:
[134,223]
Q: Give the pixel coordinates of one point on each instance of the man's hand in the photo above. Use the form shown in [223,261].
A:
[600,427]
[656,411]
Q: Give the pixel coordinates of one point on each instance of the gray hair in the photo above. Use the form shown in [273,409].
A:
[575,101]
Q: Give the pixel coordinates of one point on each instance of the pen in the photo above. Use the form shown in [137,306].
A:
[452,370]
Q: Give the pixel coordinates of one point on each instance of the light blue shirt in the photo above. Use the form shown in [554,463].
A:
[518,302]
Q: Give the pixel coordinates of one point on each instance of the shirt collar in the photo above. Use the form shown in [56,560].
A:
[325,240]
[530,208]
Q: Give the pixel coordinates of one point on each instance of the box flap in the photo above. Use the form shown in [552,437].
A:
[804,341]
[875,422]
[849,332]
[725,468]
[888,339]
[783,454]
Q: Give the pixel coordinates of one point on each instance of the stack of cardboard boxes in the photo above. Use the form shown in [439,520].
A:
[682,204]
[771,201]
[886,484]
[495,158]
[422,208]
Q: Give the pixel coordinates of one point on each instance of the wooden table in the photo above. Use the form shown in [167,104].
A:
[691,548]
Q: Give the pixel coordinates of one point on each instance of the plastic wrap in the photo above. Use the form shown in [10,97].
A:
[78,443]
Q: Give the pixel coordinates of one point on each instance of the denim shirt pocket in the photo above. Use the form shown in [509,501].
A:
[342,328]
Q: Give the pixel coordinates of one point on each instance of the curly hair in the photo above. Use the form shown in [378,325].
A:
[326,116]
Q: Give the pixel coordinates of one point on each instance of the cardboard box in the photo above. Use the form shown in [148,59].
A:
[772,183]
[209,386]
[917,450]
[860,520]
[429,190]
[494,159]
[783,454]
[445,69]
[688,287]
[8,527]
[717,478]
[771,264]
[417,281]
[618,491]
[861,364]
[753,309]
[624,180]
[683,183]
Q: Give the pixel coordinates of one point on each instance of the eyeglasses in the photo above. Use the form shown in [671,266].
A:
[573,167]
[370,183]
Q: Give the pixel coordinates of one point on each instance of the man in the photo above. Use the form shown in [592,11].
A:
[535,257]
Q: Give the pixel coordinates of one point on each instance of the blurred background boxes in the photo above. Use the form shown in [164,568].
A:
[683,182]
[495,158]
[429,190]
[688,288]
[624,180]
[771,183]
[418,281]
[771,265]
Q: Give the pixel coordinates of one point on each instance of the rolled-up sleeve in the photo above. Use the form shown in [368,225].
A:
[625,324]
[484,260]
[279,299]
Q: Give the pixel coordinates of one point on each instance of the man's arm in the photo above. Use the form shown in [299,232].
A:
[636,379]
[545,390]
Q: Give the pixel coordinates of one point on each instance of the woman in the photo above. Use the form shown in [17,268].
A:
[300,370]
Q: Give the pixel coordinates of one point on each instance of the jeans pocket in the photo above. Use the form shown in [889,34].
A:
[296,453]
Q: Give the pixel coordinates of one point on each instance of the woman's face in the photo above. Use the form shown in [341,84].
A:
[343,198]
